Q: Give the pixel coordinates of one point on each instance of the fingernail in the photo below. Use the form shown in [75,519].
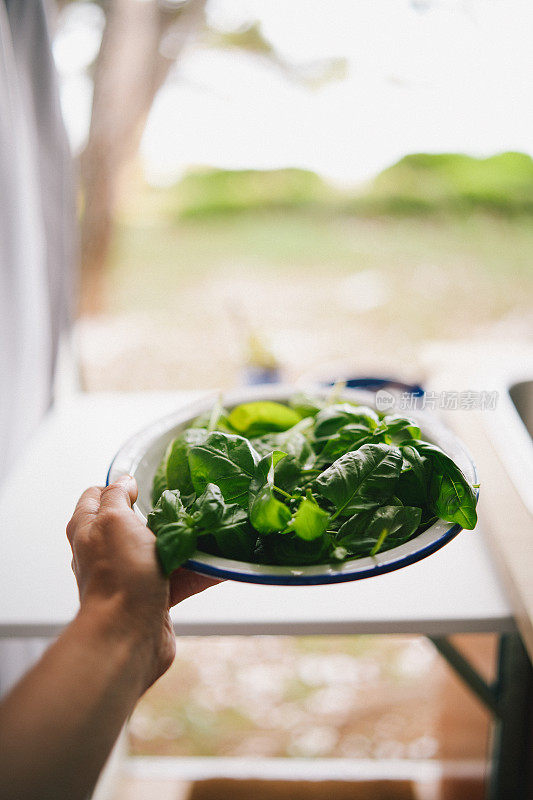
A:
[124,480]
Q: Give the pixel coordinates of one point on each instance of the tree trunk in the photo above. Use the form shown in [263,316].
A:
[129,71]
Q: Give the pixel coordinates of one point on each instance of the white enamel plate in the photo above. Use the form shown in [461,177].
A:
[141,455]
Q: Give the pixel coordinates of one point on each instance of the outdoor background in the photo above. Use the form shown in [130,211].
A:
[332,188]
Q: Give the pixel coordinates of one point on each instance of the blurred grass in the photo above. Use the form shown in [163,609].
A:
[164,256]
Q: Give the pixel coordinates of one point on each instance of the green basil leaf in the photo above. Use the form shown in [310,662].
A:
[265,472]
[310,521]
[234,535]
[368,474]
[295,444]
[227,460]
[267,514]
[451,496]
[160,480]
[331,419]
[400,428]
[305,405]
[288,474]
[208,509]
[177,459]
[173,528]
[409,490]
[169,508]
[254,419]
[227,524]
[371,532]
[348,438]
[413,485]
[416,463]
[453,499]
[290,550]
[173,471]
[215,419]
[175,544]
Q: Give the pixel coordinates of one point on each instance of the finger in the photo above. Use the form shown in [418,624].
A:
[184,583]
[86,508]
[119,495]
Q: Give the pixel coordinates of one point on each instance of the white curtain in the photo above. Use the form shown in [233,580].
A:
[36,223]
[36,245]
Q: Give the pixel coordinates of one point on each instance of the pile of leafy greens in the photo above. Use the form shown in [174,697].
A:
[308,482]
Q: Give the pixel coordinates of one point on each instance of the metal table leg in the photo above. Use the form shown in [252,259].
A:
[511,759]
[510,700]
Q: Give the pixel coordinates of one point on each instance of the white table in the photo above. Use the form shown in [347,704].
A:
[456,590]
[453,591]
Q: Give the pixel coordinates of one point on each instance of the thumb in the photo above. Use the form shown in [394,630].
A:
[120,494]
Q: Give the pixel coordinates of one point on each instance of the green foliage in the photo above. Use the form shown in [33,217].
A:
[168,508]
[419,184]
[265,470]
[254,419]
[267,514]
[176,461]
[331,419]
[452,183]
[175,543]
[415,462]
[379,530]
[291,550]
[226,523]
[227,460]
[175,536]
[310,521]
[160,479]
[399,428]
[295,443]
[451,496]
[213,192]
[366,475]
[306,405]
[349,437]
[292,497]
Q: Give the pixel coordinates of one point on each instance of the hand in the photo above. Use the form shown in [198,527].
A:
[119,577]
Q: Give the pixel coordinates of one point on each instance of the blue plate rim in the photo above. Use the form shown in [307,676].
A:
[316,580]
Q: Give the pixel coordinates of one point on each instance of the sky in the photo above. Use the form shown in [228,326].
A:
[422,75]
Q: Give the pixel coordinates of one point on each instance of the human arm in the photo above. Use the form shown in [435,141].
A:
[58,725]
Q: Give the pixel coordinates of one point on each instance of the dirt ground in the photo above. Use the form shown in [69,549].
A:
[353,697]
